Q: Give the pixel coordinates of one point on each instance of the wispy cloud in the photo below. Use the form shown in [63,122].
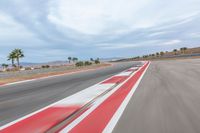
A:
[116,46]
[78,28]
[172,42]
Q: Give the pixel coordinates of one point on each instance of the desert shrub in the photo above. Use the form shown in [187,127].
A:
[97,62]
[87,63]
[80,63]
[28,68]
[45,66]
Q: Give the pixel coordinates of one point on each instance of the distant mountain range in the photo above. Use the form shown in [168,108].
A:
[63,62]
[26,64]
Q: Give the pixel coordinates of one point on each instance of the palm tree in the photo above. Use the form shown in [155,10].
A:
[91,59]
[74,59]
[18,54]
[162,53]
[183,50]
[69,58]
[5,66]
[175,50]
[12,57]
[157,54]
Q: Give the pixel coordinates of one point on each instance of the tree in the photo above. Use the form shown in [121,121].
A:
[12,57]
[91,59]
[18,54]
[80,63]
[183,50]
[87,63]
[45,66]
[74,59]
[69,59]
[157,54]
[97,61]
[5,66]
[175,50]
[145,56]
[162,53]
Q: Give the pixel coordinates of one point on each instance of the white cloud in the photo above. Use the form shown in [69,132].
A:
[171,42]
[9,28]
[195,35]
[115,25]
[113,46]
[100,16]
[158,33]
[113,16]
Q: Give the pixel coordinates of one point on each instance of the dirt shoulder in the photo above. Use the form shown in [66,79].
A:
[10,77]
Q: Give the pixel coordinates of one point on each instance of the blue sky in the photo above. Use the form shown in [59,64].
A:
[50,30]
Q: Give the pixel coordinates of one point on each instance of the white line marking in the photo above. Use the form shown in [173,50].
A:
[53,104]
[109,128]
[124,74]
[95,105]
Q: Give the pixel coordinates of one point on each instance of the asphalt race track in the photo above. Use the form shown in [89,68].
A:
[24,98]
[166,101]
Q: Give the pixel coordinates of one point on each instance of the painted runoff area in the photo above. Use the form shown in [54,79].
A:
[85,107]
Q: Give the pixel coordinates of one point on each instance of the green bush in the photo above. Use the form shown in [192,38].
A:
[97,62]
[87,63]
[80,63]
[45,66]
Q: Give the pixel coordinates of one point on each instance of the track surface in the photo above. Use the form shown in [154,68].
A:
[166,101]
[24,98]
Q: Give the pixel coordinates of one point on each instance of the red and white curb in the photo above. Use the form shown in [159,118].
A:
[103,116]
[100,113]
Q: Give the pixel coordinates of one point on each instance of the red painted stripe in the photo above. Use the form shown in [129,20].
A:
[115,79]
[41,121]
[97,120]
[61,128]
[2,84]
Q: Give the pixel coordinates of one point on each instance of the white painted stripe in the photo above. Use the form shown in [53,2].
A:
[84,96]
[62,102]
[109,128]
[133,68]
[124,74]
[71,100]
[95,105]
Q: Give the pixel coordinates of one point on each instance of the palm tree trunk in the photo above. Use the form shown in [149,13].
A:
[12,62]
[18,63]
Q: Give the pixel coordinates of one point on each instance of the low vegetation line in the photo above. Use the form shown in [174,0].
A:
[20,76]
[16,71]
[182,53]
